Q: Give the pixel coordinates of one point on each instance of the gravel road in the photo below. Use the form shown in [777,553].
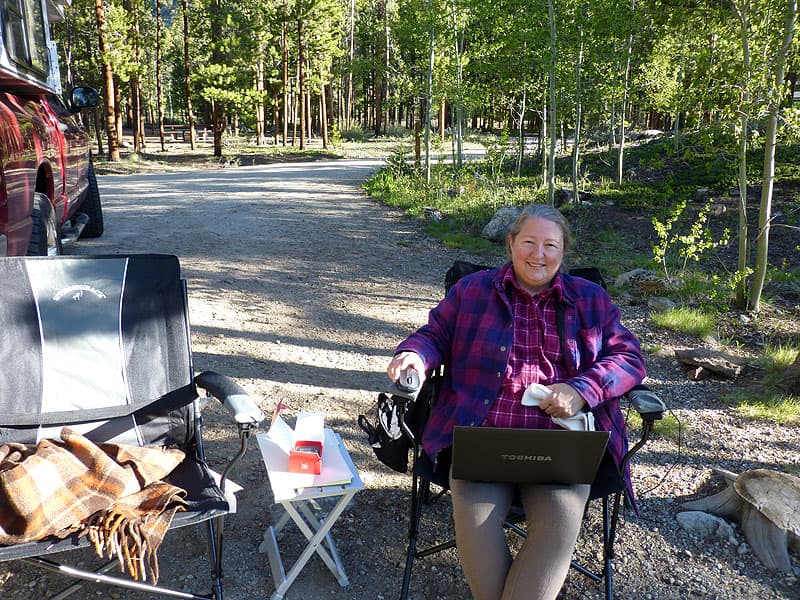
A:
[300,287]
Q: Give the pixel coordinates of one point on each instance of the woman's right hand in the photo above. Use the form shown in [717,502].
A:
[403,361]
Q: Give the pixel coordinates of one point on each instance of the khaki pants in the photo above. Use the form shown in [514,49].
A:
[553,515]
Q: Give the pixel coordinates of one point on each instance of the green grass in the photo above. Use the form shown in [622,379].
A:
[607,250]
[769,401]
[775,408]
[685,320]
[668,428]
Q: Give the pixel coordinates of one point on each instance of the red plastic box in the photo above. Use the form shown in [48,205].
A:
[306,457]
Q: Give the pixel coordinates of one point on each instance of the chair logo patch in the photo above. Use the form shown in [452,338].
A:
[75,292]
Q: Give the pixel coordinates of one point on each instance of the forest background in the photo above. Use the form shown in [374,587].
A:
[560,95]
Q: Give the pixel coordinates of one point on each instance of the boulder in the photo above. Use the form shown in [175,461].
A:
[705,525]
[642,281]
[660,304]
[498,227]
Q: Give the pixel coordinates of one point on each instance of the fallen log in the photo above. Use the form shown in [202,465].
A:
[765,504]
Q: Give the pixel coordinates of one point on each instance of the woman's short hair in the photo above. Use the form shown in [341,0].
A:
[542,211]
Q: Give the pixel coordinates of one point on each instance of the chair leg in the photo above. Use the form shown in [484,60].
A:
[609,534]
[67,592]
[97,577]
[215,526]
[417,495]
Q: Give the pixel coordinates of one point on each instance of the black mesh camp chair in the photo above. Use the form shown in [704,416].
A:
[429,486]
[102,345]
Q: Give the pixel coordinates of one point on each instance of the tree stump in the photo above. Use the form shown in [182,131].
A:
[766,505]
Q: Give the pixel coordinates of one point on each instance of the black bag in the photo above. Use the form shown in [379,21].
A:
[387,438]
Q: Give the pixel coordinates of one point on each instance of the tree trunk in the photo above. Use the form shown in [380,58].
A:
[276,112]
[259,107]
[551,157]
[187,82]
[159,92]
[108,79]
[624,108]
[323,117]
[285,71]
[442,118]
[98,130]
[458,125]
[542,137]
[429,94]
[301,81]
[136,112]
[380,73]
[576,157]
[768,178]
[217,58]
[378,100]
[521,132]
[351,43]
[743,262]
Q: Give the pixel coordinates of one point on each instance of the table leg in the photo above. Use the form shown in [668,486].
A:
[315,539]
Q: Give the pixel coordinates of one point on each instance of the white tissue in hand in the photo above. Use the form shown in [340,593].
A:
[534,394]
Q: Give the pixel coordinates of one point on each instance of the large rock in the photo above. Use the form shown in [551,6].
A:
[713,361]
[497,229]
[705,525]
[642,281]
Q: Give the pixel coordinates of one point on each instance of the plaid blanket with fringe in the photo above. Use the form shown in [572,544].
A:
[111,493]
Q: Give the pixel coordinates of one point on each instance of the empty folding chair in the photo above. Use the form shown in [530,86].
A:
[96,350]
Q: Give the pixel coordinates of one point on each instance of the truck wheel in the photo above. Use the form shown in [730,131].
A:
[45,235]
[92,208]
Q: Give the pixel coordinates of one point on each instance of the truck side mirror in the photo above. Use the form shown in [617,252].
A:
[83,97]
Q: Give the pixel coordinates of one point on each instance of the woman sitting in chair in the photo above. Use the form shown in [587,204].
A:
[498,333]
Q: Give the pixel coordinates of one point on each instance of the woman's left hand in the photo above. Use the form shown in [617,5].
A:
[563,402]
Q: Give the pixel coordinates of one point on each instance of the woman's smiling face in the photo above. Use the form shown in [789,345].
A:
[536,253]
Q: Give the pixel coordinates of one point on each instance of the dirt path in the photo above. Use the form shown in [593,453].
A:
[300,287]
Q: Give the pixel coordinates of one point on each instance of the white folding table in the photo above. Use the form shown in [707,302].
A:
[299,504]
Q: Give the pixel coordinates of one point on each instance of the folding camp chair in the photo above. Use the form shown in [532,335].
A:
[429,486]
[102,344]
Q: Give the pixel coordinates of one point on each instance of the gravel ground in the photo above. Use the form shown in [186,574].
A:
[299,289]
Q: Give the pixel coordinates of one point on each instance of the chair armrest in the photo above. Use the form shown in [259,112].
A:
[233,397]
[649,406]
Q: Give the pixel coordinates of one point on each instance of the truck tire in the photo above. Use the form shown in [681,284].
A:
[45,235]
[92,208]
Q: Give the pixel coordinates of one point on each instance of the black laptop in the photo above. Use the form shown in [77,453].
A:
[555,456]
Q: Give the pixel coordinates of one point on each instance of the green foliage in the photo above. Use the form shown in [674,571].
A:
[609,251]
[684,235]
[353,134]
[713,292]
[398,164]
[685,320]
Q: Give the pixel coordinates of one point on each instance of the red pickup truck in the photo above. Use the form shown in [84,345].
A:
[48,190]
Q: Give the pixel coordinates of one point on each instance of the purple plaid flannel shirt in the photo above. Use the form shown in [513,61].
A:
[471,331]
